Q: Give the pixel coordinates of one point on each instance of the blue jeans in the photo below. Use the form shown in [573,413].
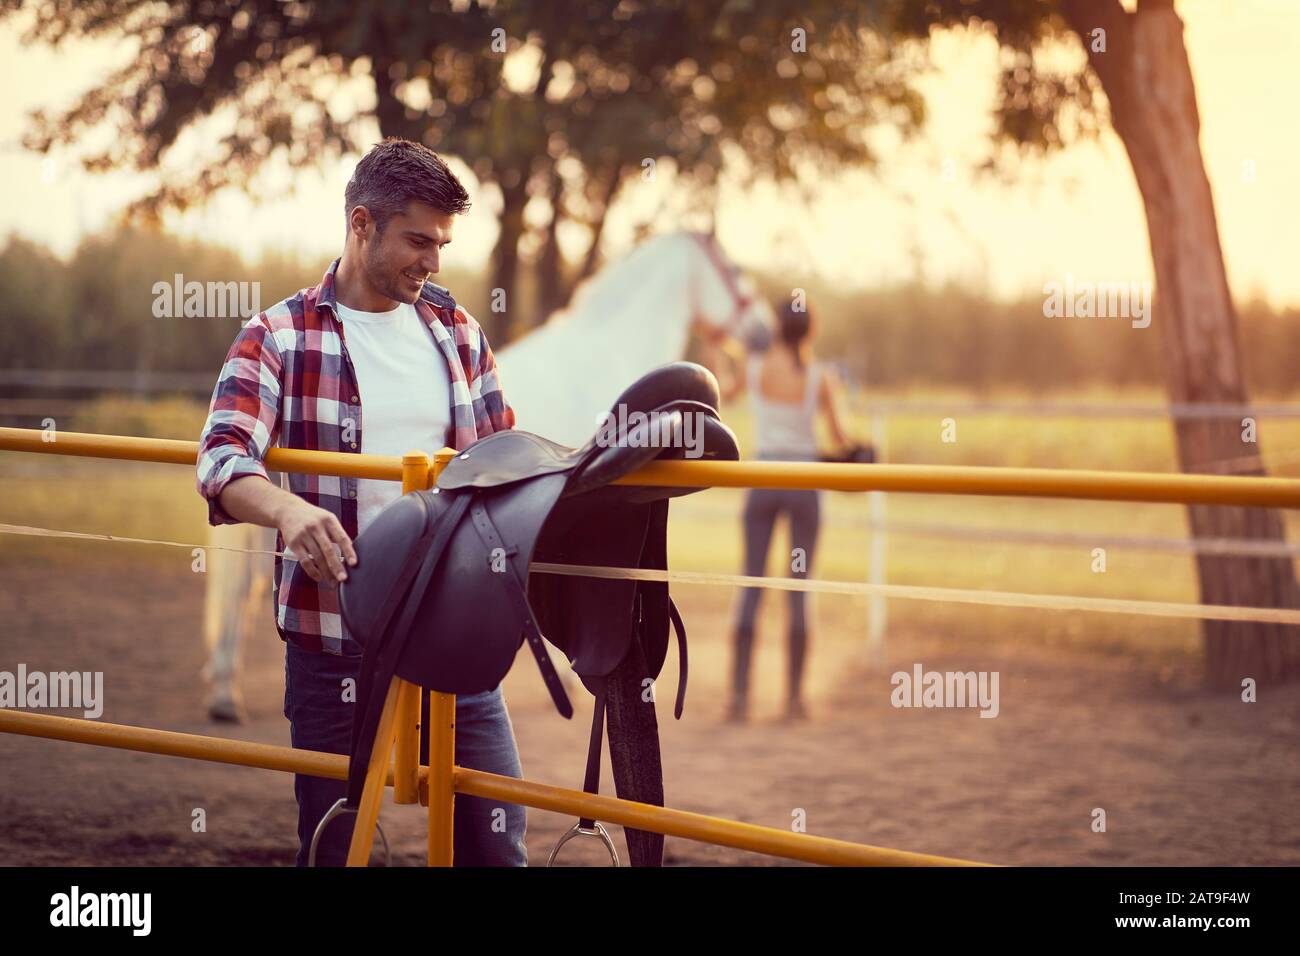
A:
[763,506]
[487,832]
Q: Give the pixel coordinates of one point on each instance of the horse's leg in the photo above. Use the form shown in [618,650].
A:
[257,589]
[226,587]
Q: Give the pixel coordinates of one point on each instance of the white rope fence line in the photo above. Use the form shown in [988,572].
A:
[1241,547]
[1231,547]
[87,536]
[1067,409]
[1057,602]
[903,408]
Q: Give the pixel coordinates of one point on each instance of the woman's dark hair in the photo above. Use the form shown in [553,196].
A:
[398,171]
[793,326]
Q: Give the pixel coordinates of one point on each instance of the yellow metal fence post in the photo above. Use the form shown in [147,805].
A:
[416,475]
[442,753]
[399,725]
[363,829]
[442,770]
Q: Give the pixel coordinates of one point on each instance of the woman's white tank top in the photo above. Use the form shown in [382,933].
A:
[784,429]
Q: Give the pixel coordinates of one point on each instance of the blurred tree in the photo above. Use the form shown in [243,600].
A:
[920,337]
[36,325]
[558,101]
[1137,58]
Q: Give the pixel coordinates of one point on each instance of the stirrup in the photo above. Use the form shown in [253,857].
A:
[339,807]
[578,829]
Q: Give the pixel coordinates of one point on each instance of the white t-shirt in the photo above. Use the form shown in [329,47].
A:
[405,393]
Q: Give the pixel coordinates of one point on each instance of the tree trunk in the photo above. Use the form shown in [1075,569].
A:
[1148,81]
[551,290]
[592,259]
[505,260]
[389,110]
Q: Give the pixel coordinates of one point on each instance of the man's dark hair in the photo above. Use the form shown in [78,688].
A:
[398,171]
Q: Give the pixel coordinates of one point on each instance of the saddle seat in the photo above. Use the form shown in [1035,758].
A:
[628,438]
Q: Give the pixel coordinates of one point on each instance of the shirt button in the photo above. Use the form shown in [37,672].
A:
[352,494]
[354,444]
[356,398]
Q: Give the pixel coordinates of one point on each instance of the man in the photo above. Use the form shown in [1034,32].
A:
[374,330]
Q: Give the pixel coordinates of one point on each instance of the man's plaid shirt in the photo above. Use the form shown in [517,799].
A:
[288,382]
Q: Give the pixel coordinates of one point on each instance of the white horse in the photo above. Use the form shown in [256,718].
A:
[634,315]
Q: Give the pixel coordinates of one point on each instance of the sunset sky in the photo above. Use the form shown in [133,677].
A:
[1078,213]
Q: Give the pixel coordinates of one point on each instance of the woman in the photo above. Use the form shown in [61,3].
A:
[787,390]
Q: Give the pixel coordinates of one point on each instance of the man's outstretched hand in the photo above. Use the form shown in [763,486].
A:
[316,538]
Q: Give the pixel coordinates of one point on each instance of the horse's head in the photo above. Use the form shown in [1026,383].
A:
[725,302]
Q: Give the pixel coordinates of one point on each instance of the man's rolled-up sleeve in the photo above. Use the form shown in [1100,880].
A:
[242,417]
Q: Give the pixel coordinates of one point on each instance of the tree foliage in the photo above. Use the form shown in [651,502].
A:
[564,102]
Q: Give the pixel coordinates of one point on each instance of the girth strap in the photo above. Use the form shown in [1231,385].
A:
[516,591]
[680,629]
[591,780]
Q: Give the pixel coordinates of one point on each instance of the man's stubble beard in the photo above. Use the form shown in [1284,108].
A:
[389,286]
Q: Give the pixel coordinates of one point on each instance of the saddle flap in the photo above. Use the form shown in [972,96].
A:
[655,604]
[388,552]
[467,629]
[592,620]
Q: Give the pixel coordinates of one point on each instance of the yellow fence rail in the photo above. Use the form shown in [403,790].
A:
[1137,486]
[691,826]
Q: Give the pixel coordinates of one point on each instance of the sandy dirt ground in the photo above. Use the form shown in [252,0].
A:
[1185,777]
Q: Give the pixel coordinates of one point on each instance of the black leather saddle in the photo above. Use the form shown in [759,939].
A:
[444,591]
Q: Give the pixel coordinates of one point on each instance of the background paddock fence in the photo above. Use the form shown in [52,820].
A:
[878,412]
[129,382]
[866,405]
